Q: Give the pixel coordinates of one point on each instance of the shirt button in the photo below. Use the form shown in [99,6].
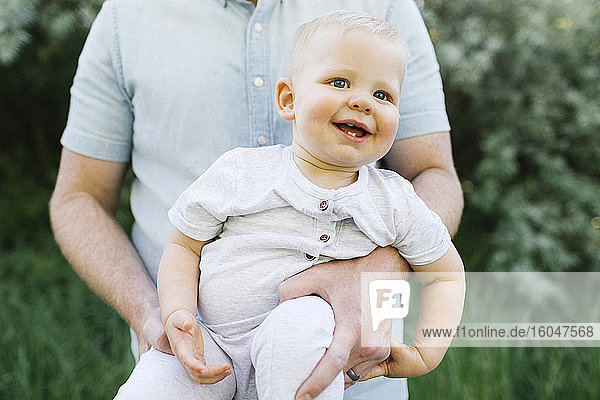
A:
[258,82]
[258,27]
[323,205]
[309,257]
[261,140]
[324,238]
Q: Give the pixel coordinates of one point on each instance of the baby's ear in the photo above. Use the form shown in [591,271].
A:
[284,99]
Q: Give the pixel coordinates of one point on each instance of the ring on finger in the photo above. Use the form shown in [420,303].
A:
[352,375]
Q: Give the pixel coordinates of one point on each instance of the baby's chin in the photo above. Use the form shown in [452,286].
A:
[340,158]
[350,158]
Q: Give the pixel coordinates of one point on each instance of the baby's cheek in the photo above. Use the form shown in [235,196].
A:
[322,110]
[314,111]
[391,124]
[388,133]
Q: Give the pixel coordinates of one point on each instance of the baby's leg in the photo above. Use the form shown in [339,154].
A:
[161,376]
[288,345]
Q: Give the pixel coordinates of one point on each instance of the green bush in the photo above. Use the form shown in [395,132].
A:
[522,88]
[39,46]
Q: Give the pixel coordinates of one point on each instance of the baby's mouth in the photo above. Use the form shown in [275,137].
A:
[352,130]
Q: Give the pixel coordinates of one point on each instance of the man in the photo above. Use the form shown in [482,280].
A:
[170,86]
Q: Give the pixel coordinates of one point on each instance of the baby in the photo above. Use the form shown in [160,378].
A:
[260,215]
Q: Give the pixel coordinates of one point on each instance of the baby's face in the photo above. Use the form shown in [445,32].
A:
[346,96]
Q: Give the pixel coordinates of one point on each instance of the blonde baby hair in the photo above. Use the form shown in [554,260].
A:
[344,21]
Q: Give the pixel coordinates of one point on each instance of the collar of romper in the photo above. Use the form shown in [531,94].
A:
[331,205]
[307,197]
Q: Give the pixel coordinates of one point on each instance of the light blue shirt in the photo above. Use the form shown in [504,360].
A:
[170,85]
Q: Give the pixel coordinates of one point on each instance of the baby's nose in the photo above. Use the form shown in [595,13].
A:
[361,103]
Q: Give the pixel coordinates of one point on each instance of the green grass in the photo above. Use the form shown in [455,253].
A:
[512,373]
[59,341]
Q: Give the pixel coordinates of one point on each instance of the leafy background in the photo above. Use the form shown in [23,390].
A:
[522,83]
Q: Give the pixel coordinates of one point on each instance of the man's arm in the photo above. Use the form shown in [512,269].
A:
[82,214]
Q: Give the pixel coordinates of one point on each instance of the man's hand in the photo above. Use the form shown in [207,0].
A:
[186,341]
[153,334]
[338,283]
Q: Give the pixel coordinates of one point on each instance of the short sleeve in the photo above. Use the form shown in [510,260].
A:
[203,207]
[100,117]
[422,238]
[422,104]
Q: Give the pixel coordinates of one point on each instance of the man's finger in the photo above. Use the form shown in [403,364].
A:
[153,335]
[143,347]
[333,361]
[297,286]
[361,370]
[378,370]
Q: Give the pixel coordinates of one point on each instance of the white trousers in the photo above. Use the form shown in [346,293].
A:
[284,350]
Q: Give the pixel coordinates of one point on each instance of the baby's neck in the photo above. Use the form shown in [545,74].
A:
[320,173]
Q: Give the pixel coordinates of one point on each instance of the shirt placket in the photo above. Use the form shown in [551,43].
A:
[324,229]
[257,73]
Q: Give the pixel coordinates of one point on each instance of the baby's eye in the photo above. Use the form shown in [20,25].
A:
[382,96]
[339,83]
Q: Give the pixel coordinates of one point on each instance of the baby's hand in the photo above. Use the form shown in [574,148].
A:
[406,361]
[186,342]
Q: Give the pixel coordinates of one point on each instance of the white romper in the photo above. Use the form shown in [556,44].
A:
[270,222]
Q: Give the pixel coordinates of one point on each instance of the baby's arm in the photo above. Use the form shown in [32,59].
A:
[441,304]
[441,308]
[177,281]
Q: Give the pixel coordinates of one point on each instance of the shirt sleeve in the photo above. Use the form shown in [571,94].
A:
[421,238]
[422,104]
[203,207]
[100,117]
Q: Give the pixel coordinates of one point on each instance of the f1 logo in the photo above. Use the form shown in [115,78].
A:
[389,300]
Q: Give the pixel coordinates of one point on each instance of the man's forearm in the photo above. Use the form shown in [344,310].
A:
[102,255]
[441,191]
